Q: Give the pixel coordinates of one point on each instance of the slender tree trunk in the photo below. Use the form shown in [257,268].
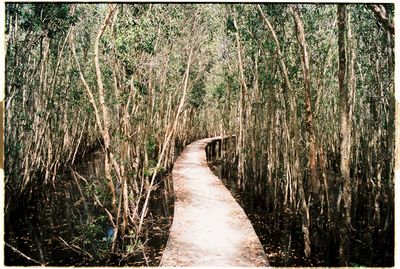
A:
[243,91]
[312,147]
[345,137]
[315,184]
[104,109]
[89,92]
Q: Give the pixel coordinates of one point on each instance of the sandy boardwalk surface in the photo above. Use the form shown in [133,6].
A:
[209,226]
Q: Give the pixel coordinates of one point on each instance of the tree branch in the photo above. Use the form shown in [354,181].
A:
[22,254]
[380,13]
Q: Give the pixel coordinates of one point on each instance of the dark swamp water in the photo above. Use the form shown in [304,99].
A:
[46,225]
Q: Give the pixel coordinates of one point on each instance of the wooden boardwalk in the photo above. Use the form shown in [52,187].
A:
[209,226]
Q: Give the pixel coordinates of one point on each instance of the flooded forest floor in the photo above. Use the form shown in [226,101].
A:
[281,235]
[47,224]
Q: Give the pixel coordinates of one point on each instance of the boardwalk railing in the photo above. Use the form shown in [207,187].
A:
[209,226]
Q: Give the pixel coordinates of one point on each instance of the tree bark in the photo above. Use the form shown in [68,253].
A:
[345,137]
[315,184]
[104,109]
[243,91]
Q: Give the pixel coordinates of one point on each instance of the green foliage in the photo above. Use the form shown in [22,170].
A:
[152,147]
[91,237]
[219,92]
[51,19]
[230,26]
[135,32]
[197,94]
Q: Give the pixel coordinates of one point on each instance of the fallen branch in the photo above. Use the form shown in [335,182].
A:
[23,255]
[75,248]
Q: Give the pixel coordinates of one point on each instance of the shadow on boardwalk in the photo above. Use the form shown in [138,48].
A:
[209,226]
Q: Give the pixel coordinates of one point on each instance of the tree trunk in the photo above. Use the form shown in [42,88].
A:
[243,91]
[307,88]
[104,109]
[345,137]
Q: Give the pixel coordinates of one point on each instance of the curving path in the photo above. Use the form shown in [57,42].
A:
[209,226]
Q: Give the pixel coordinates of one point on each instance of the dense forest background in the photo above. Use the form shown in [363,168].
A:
[101,99]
